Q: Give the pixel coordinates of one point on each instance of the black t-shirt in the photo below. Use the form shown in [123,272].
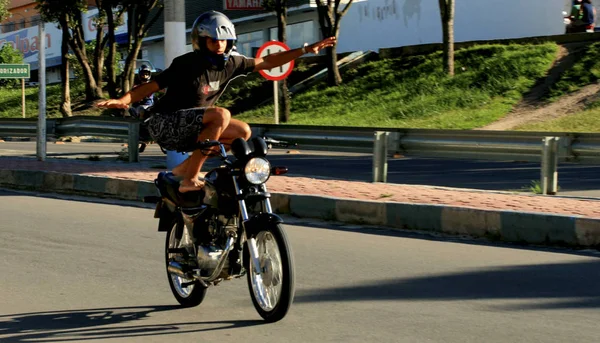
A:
[191,83]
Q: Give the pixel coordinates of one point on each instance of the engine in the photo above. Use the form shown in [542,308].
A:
[212,236]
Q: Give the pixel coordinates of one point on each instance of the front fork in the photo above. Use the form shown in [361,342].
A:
[252,246]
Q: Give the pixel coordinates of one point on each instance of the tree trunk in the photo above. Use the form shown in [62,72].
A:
[136,24]
[92,90]
[447,14]
[112,52]
[129,72]
[334,77]
[284,114]
[98,59]
[329,20]
[65,106]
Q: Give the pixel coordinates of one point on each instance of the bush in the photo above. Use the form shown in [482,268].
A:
[10,55]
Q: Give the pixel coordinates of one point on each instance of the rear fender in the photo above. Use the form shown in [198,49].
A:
[167,217]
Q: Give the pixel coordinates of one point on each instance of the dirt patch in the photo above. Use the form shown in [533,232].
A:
[533,107]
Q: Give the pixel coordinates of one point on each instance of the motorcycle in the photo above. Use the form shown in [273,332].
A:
[227,230]
[139,112]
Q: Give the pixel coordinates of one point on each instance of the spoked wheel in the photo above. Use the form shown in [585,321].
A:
[189,293]
[272,290]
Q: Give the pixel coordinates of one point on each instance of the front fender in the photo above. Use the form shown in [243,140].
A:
[258,221]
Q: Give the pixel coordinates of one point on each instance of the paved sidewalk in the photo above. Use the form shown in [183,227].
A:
[497,215]
[486,200]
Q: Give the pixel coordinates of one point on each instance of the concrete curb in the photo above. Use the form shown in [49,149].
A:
[508,226]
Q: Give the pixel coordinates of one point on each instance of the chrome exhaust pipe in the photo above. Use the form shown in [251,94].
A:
[176,268]
[221,262]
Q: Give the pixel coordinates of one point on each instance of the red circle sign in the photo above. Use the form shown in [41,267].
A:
[278,73]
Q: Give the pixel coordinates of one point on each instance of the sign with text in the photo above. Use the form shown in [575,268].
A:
[27,42]
[90,25]
[243,5]
[14,71]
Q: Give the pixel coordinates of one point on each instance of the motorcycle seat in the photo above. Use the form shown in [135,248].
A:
[168,184]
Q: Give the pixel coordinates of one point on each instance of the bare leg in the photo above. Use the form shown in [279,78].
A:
[235,130]
[215,121]
[180,169]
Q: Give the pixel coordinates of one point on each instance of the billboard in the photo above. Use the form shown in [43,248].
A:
[90,28]
[27,41]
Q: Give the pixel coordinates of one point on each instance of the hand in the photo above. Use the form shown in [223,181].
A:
[112,103]
[325,43]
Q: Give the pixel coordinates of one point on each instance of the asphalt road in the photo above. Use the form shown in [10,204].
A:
[84,271]
[574,179]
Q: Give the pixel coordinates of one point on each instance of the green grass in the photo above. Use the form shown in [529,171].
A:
[414,91]
[11,104]
[586,121]
[411,91]
[586,70]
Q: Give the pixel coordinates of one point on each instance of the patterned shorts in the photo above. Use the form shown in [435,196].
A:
[176,131]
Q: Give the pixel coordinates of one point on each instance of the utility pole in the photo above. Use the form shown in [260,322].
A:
[41,124]
[174,46]
[174,30]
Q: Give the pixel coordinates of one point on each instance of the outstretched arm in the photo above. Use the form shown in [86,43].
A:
[134,95]
[281,58]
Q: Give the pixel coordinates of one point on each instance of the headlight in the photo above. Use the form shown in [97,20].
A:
[257,170]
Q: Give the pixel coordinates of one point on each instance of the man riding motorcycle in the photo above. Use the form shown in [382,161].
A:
[186,114]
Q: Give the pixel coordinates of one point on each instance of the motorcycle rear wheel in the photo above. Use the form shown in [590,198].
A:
[272,291]
[188,296]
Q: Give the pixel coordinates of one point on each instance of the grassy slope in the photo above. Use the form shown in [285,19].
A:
[414,92]
[10,101]
[410,91]
[584,72]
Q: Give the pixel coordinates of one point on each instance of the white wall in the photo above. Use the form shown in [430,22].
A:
[376,24]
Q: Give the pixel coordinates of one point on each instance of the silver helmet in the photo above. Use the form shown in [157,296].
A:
[213,25]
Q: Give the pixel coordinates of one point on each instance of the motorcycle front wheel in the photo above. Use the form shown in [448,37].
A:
[189,293]
[272,291]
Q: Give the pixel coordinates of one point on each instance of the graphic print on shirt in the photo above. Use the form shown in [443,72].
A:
[212,86]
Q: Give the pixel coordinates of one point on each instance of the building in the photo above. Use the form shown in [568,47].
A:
[369,25]
[253,26]
[22,15]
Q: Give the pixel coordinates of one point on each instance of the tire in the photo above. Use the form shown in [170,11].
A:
[280,279]
[189,296]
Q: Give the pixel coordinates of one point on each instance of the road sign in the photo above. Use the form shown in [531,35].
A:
[14,71]
[279,73]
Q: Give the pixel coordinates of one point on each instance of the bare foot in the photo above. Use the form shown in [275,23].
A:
[190,185]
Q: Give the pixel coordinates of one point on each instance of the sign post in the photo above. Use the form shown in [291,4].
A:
[41,126]
[275,74]
[16,71]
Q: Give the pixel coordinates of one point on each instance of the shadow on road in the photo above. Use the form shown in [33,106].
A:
[551,286]
[101,323]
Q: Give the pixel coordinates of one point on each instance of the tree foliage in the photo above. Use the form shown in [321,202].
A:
[67,13]
[141,14]
[10,55]
[4,13]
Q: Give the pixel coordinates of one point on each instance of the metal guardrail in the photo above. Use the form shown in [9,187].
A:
[127,129]
[548,148]
[467,144]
